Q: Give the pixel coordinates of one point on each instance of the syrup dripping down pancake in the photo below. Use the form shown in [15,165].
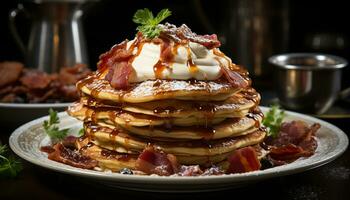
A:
[228,128]
[112,139]
[201,153]
[231,107]
[125,118]
[152,90]
[114,161]
[107,159]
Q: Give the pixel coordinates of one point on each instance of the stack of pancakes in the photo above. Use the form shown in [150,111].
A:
[199,122]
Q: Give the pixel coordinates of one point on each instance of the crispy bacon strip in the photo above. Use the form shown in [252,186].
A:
[243,160]
[22,85]
[152,161]
[235,79]
[67,156]
[296,139]
[179,34]
[10,72]
[116,61]
[34,79]
[105,59]
[286,152]
[166,54]
[70,75]
[120,77]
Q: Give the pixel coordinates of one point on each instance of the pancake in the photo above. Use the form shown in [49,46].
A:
[107,160]
[199,133]
[126,148]
[228,128]
[112,160]
[153,90]
[183,109]
[219,160]
[125,118]
[234,106]
[107,138]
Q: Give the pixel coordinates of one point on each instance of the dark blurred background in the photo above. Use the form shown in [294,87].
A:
[250,31]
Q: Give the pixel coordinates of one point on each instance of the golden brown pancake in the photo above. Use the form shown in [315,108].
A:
[107,160]
[125,118]
[111,155]
[112,160]
[228,128]
[153,90]
[107,138]
[234,106]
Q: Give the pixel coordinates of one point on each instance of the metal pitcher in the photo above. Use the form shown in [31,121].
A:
[56,37]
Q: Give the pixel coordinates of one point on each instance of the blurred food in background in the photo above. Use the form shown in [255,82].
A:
[19,84]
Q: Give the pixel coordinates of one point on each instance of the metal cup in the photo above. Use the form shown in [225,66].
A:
[307,82]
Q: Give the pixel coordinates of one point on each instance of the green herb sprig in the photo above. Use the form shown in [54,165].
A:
[51,128]
[273,120]
[9,165]
[148,23]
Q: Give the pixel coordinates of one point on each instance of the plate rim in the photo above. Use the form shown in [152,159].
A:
[171,180]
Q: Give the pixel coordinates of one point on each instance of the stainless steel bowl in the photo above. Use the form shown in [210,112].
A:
[307,82]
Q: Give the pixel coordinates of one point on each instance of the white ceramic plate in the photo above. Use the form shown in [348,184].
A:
[27,139]
[15,114]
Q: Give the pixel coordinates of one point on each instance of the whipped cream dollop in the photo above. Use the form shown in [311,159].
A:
[190,61]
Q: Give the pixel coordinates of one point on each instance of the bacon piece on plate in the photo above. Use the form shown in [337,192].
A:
[243,160]
[296,139]
[6,90]
[8,98]
[67,156]
[37,96]
[70,75]
[69,92]
[34,79]
[10,72]
[286,152]
[152,161]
